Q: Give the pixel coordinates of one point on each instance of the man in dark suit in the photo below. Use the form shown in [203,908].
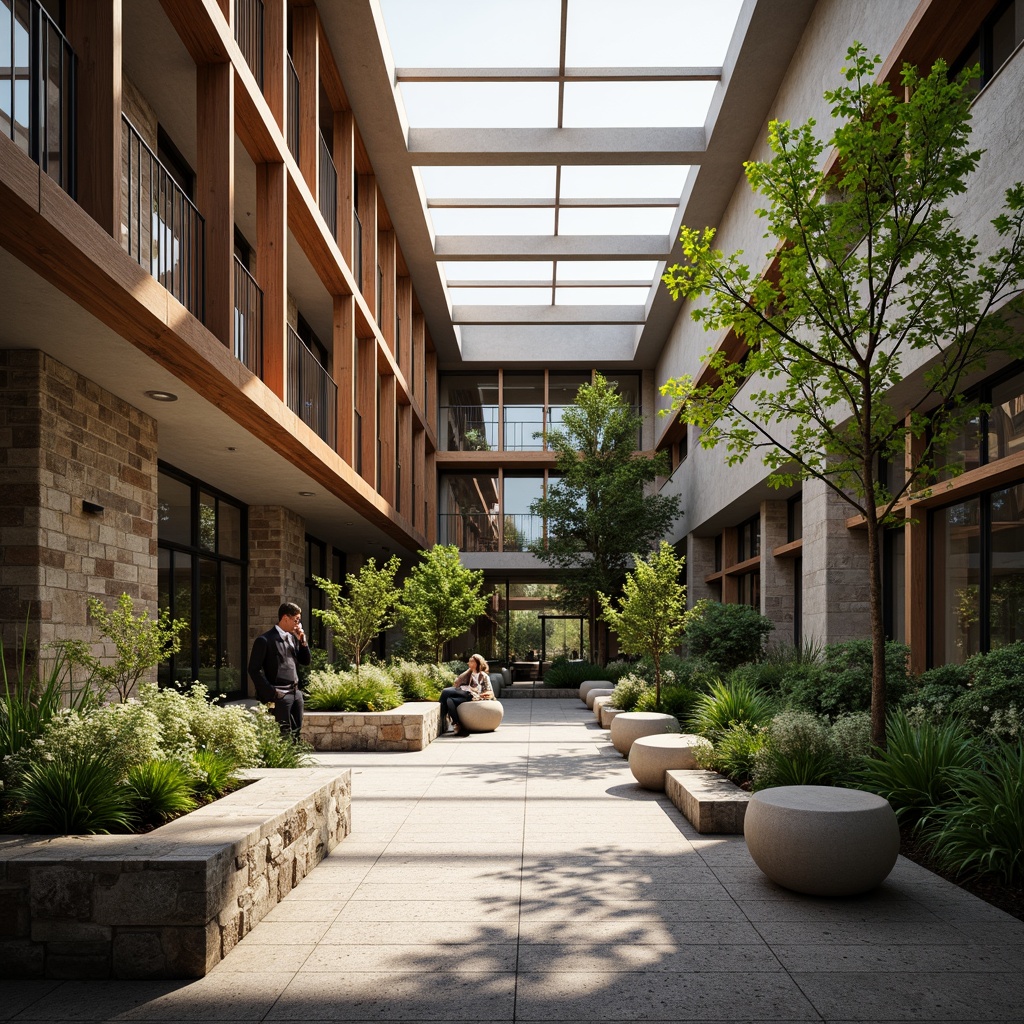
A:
[274,667]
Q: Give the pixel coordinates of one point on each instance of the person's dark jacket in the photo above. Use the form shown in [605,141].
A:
[268,662]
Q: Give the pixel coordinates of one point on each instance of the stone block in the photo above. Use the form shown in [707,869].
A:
[61,892]
[710,802]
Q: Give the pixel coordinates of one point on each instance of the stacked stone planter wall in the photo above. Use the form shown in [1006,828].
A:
[173,902]
[408,727]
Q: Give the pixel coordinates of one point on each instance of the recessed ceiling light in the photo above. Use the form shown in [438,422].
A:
[231,449]
[306,494]
[161,396]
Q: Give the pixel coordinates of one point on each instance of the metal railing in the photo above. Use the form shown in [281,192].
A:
[248,319]
[37,89]
[328,188]
[357,246]
[468,531]
[164,232]
[521,423]
[249,34]
[312,393]
[520,530]
[293,108]
[556,420]
[469,428]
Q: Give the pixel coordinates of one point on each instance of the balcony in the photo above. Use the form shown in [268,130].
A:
[312,393]
[249,34]
[292,117]
[469,531]
[521,423]
[520,530]
[163,230]
[248,320]
[470,428]
[37,89]
[328,188]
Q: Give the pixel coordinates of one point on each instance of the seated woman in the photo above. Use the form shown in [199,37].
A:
[473,684]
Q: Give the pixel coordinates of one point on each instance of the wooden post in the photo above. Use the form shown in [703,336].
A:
[388,446]
[367,277]
[275,37]
[386,261]
[305,54]
[366,396]
[272,268]
[343,356]
[915,555]
[345,159]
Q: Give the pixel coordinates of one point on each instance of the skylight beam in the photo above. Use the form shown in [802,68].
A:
[477,283]
[631,74]
[545,247]
[548,314]
[543,204]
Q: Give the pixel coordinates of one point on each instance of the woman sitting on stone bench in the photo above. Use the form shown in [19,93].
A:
[473,684]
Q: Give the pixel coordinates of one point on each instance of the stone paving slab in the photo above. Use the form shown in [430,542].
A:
[523,876]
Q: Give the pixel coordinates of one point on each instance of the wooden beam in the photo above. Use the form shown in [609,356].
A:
[345,161]
[305,54]
[386,262]
[403,301]
[272,268]
[366,277]
[275,17]
[366,403]
[388,440]
[343,362]
[403,495]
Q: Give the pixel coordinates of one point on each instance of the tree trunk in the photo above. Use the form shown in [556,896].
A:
[877,635]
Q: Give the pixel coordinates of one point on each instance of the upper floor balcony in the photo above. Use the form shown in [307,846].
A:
[312,392]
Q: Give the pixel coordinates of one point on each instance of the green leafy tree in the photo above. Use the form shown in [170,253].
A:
[649,619]
[597,510]
[872,273]
[368,608]
[141,643]
[440,600]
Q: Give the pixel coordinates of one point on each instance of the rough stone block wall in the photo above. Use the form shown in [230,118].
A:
[408,727]
[65,440]
[700,563]
[776,573]
[277,564]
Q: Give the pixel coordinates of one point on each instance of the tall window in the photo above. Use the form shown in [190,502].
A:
[995,41]
[201,578]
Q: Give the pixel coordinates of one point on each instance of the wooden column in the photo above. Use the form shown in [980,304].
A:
[430,497]
[418,356]
[345,161]
[94,32]
[366,403]
[430,386]
[272,268]
[419,457]
[388,445]
[343,357]
[403,497]
[403,300]
[305,54]
[215,191]
[275,37]
[368,217]
[915,555]
[730,584]
[386,262]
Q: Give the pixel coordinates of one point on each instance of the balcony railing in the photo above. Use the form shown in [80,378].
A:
[249,34]
[521,423]
[248,319]
[556,415]
[312,393]
[521,530]
[37,89]
[328,188]
[469,428]
[293,109]
[164,232]
[468,531]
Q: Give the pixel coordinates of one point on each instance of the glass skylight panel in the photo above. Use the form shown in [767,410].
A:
[493,222]
[498,270]
[633,181]
[637,104]
[601,296]
[606,270]
[471,34]
[500,296]
[615,220]
[648,33]
[481,105]
[488,182]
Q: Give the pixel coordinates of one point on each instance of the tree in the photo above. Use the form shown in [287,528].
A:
[440,600]
[649,619]
[141,643]
[596,510]
[365,612]
[871,272]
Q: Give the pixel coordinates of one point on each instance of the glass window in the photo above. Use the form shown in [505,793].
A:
[562,392]
[795,518]
[1006,606]
[521,526]
[469,413]
[229,530]
[750,589]
[207,521]
[468,511]
[1006,419]
[174,504]
[894,583]
[956,569]
[965,449]
[748,540]
[523,398]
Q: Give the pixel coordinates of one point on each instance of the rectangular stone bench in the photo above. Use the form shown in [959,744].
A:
[710,802]
[173,902]
[410,726]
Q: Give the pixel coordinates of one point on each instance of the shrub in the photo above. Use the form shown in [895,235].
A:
[726,634]
[735,752]
[274,749]
[936,689]
[159,791]
[797,752]
[372,690]
[916,771]
[676,699]
[72,794]
[851,740]
[996,686]
[842,684]
[981,831]
[627,692]
[414,680]
[729,704]
[570,674]
[215,772]
[455,666]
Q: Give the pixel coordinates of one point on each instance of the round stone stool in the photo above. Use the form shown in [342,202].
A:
[822,840]
[651,756]
[590,684]
[598,691]
[480,715]
[607,714]
[631,725]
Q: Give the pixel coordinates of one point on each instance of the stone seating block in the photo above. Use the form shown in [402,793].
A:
[480,715]
[631,725]
[589,684]
[607,714]
[651,756]
[598,691]
[600,702]
[709,801]
[822,840]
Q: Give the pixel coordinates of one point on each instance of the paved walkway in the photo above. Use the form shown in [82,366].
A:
[523,876]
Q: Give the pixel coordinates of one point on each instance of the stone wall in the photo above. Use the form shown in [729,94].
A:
[65,440]
[277,564]
[171,903]
[408,727]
